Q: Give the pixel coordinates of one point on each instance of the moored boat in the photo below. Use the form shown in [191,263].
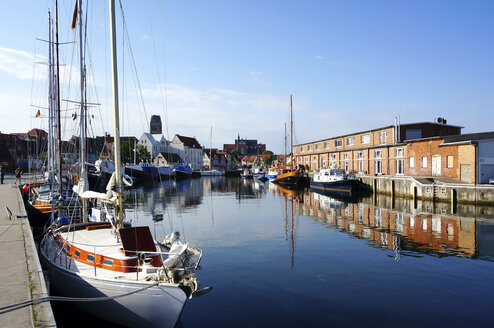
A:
[181,171]
[333,181]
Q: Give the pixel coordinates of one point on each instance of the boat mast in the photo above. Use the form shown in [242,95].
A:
[59,129]
[284,160]
[116,124]
[291,135]
[51,154]
[82,138]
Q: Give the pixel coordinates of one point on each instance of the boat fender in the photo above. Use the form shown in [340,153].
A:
[127,180]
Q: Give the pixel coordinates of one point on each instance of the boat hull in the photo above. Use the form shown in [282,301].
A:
[339,187]
[157,306]
[182,172]
[291,179]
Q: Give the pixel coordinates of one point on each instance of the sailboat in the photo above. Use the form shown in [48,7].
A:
[211,171]
[46,195]
[123,275]
[288,177]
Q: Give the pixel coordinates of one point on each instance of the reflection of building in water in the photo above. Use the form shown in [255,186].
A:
[441,234]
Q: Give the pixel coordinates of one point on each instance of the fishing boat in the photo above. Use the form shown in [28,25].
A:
[272,173]
[333,180]
[123,275]
[212,173]
[289,177]
[246,174]
[181,171]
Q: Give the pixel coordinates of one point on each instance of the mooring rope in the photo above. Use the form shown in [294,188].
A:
[20,305]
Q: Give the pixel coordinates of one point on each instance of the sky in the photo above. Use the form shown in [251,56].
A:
[228,68]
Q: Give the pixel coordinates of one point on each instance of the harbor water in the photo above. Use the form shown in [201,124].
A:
[282,258]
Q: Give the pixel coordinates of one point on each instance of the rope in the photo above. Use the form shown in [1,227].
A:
[20,305]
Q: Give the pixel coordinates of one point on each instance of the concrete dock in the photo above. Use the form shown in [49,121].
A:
[21,275]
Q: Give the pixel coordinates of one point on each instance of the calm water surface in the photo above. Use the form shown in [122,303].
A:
[279,258]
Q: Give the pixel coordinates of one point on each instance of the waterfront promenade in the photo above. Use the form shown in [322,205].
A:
[21,275]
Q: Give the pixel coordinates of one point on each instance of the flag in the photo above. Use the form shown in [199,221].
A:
[38,114]
[74,116]
[74,16]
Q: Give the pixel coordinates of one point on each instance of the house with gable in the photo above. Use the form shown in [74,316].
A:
[155,144]
[189,149]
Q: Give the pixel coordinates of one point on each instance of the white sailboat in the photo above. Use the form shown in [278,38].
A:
[119,272]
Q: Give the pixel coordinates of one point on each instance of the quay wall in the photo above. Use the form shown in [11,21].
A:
[429,189]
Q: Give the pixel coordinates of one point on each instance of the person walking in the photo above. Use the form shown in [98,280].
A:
[18,172]
[2,173]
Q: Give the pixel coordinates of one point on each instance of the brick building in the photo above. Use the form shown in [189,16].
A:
[417,149]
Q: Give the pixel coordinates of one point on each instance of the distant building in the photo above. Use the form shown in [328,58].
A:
[155,126]
[166,159]
[245,147]
[189,149]
[215,160]
[155,144]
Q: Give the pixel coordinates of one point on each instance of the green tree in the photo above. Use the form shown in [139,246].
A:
[268,157]
[143,154]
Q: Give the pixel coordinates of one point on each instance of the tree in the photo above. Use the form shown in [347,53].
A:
[143,154]
[268,157]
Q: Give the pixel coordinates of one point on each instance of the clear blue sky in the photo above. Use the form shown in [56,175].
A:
[232,65]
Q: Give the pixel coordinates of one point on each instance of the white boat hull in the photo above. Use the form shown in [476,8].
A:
[157,306]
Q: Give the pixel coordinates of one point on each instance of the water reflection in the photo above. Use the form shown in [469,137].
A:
[429,228]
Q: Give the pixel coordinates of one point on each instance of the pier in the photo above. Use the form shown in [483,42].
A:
[21,275]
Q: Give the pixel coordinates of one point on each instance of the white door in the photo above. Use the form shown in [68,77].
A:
[436,165]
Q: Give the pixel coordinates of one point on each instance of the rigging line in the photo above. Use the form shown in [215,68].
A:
[133,60]
[20,305]
[163,102]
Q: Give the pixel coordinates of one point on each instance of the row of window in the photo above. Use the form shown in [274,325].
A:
[89,257]
[350,141]
[400,162]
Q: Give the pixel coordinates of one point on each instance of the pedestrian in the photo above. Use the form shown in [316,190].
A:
[2,173]
[18,172]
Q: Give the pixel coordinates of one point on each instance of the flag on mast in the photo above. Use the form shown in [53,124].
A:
[38,114]
[74,16]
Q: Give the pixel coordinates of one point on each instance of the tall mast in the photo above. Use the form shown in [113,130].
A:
[284,160]
[82,138]
[116,124]
[59,127]
[51,162]
[291,135]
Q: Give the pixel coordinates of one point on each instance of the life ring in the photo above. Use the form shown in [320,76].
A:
[127,180]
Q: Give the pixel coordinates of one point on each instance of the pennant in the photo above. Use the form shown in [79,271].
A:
[74,16]
[38,114]
[74,116]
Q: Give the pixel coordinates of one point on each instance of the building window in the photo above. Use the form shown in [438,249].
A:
[296,151]
[399,152]
[338,142]
[307,160]
[350,141]
[400,163]
[323,162]
[314,163]
[327,145]
[361,161]
[365,139]
[424,162]
[302,148]
[318,146]
[377,162]
[309,147]
[412,161]
[382,138]
[450,161]
[346,156]
[333,160]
